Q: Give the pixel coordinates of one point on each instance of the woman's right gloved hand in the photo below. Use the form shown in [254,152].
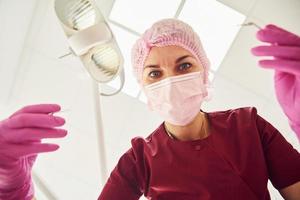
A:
[20,142]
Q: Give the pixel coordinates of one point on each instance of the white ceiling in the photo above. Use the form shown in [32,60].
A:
[13,36]
[31,40]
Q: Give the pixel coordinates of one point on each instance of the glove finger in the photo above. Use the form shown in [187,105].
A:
[288,66]
[33,134]
[276,35]
[288,52]
[20,150]
[38,108]
[279,29]
[34,120]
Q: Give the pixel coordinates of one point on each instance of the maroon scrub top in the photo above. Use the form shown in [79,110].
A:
[234,162]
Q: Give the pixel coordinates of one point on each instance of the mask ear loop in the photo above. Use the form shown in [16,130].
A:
[251,24]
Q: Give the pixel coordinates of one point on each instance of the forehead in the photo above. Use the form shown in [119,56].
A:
[166,52]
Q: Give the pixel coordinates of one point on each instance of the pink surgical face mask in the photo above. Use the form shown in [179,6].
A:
[178,98]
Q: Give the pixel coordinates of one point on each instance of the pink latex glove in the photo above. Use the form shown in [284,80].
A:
[285,49]
[20,142]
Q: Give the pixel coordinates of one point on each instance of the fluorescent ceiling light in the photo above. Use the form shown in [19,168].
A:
[216,24]
[141,14]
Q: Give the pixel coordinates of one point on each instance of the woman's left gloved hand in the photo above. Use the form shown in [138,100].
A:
[284,46]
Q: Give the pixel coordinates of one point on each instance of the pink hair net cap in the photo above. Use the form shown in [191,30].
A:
[167,32]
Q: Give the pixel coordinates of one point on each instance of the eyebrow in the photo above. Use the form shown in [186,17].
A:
[177,61]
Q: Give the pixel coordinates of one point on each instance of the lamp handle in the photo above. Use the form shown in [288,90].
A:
[122,79]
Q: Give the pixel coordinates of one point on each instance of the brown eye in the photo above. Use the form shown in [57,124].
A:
[154,74]
[185,66]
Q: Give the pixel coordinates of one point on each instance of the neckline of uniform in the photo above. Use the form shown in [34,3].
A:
[190,142]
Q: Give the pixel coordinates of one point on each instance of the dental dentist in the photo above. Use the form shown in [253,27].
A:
[192,154]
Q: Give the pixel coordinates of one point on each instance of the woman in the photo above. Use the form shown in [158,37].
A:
[193,154]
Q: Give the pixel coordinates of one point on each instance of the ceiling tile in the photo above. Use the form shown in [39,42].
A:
[241,67]
[285,14]
[227,94]
[244,6]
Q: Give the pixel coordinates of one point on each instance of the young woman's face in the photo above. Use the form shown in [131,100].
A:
[163,62]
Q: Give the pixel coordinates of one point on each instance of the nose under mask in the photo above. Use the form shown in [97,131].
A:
[177,99]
